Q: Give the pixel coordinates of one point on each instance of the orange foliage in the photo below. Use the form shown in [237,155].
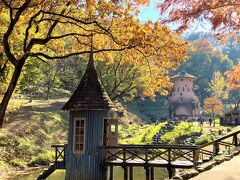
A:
[233,77]
[50,29]
[212,106]
[222,14]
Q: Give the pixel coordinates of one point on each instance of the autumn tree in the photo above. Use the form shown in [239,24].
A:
[51,30]
[213,106]
[233,81]
[222,15]
[217,86]
[123,80]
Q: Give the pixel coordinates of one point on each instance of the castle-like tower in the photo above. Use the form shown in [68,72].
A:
[183,101]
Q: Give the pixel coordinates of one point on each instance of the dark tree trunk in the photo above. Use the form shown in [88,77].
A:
[10,90]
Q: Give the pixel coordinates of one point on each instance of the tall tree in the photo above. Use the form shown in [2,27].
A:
[49,29]
[233,81]
[217,86]
[212,106]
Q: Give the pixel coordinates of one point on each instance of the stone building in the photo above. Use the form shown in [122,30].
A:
[183,101]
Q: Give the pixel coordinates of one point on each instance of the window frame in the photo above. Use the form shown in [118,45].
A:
[74,135]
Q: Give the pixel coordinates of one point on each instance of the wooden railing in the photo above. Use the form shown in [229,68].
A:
[218,146]
[60,152]
[165,155]
[171,153]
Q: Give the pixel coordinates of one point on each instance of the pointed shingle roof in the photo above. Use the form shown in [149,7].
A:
[90,94]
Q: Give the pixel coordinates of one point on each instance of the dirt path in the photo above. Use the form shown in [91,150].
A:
[228,170]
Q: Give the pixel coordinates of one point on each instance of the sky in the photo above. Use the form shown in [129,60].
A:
[150,12]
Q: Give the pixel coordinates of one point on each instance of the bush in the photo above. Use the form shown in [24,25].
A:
[203,140]
[144,135]
[17,163]
[42,159]
[183,130]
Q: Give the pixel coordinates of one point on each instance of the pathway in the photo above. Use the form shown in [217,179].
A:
[228,170]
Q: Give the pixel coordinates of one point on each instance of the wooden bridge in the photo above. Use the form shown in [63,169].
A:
[59,162]
[153,156]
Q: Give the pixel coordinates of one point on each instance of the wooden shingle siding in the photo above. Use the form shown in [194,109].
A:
[87,166]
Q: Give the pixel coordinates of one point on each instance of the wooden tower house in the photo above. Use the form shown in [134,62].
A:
[91,125]
[183,101]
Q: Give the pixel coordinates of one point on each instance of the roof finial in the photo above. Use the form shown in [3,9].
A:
[91,61]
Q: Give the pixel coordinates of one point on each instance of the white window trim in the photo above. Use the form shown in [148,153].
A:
[74,135]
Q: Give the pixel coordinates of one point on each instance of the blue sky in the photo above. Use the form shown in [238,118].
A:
[150,12]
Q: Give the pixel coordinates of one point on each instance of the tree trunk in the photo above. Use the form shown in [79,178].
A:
[213,120]
[10,89]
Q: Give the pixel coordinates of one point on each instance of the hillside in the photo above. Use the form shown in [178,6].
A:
[30,131]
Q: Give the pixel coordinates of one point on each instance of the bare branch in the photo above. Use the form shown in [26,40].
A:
[76,53]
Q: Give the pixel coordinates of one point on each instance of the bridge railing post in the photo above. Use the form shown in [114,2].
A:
[235,140]
[216,148]
[195,156]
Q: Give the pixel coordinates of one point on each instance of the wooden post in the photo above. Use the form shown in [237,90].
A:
[131,173]
[195,157]
[125,175]
[147,172]
[111,172]
[170,172]
[216,148]
[152,173]
[56,154]
[235,140]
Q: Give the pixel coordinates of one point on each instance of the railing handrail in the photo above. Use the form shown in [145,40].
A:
[219,139]
[59,145]
[161,146]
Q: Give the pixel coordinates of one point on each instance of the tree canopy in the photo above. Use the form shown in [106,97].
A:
[50,30]
[222,15]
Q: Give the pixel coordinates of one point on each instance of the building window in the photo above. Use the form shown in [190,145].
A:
[181,79]
[178,89]
[183,88]
[188,89]
[79,136]
[180,94]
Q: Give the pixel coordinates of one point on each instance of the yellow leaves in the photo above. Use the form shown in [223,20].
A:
[150,47]
[217,86]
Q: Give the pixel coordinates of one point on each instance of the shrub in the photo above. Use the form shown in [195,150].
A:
[144,135]
[42,159]
[183,130]
[203,140]
[17,163]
